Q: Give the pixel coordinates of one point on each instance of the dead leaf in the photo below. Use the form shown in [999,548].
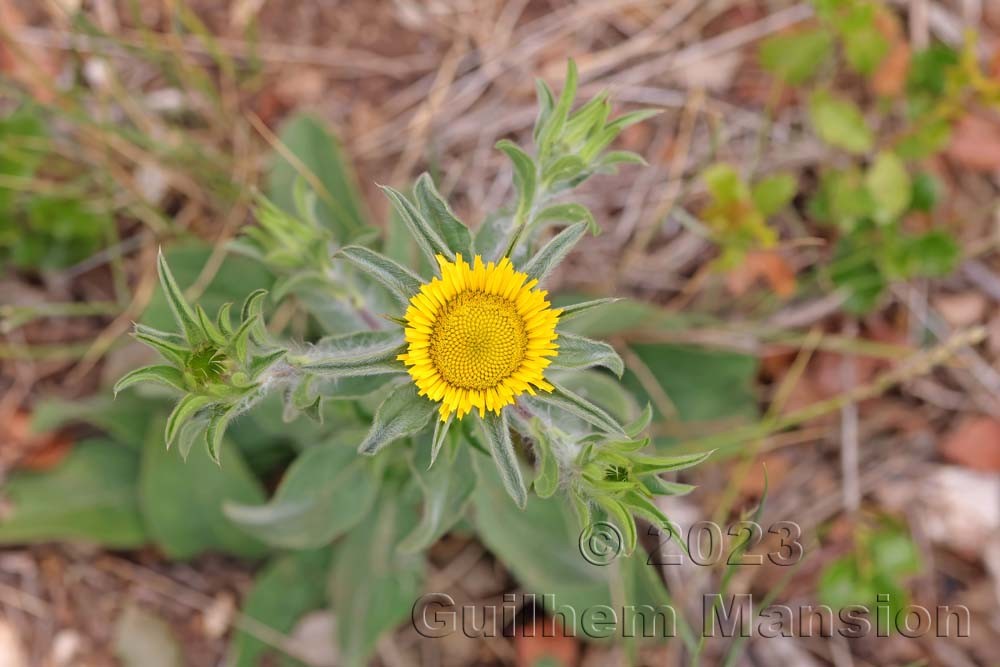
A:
[11,650]
[962,309]
[143,639]
[889,78]
[975,143]
[956,507]
[974,443]
[560,647]
[766,264]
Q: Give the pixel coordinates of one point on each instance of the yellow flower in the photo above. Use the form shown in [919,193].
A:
[479,336]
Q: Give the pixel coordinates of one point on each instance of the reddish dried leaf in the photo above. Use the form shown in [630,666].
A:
[975,143]
[974,443]
[767,265]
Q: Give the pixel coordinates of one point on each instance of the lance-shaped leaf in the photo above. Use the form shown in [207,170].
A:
[497,432]
[658,486]
[578,352]
[546,102]
[564,399]
[623,518]
[648,510]
[554,251]
[639,424]
[166,375]
[437,212]
[575,310]
[654,464]
[399,280]
[326,491]
[354,355]
[556,121]
[427,237]
[547,478]
[446,490]
[183,314]
[252,310]
[185,409]
[441,429]
[567,212]
[170,346]
[402,413]
[525,179]
[216,428]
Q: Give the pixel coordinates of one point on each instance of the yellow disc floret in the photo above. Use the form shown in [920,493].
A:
[479,336]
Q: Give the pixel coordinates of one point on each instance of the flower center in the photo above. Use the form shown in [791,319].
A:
[478,340]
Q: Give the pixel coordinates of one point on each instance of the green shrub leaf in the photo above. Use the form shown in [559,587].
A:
[496,429]
[403,413]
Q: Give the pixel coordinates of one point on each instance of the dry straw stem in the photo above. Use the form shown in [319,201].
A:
[916,365]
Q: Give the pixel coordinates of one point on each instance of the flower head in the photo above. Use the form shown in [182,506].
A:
[479,336]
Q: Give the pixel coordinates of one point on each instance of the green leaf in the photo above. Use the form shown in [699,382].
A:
[774,193]
[373,584]
[855,269]
[166,375]
[926,192]
[933,254]
[170,346]
[796,58]
[889,183]
[319,159]
[552,131]
[436,211]
[864,47]
[183,314]
[578,406]
[446,489]
[545,526]
[840,123]
[547,478]
[185,409]
[216,428]
[894,552]
[402,283]
[701,384]
[642,464]
[403,413]
[181,501]
[925,138]
[582,307]
[496,430]
[357,354]
[546,102]
[577,353]
[427,237]
[89,496]
[554,252]
[525,179]
[281,594]
[326,492]
[661,487]
[441,429]
[569,212]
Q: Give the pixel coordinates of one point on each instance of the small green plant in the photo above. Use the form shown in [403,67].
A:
[457,361]
[875,571]
[45,223]
[877,196]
